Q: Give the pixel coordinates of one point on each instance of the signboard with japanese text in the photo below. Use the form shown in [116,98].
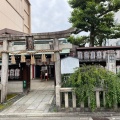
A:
[86,55]
[80,55]
[99,54]
[92,55]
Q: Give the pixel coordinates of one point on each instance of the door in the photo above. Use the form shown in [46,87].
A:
[38,71]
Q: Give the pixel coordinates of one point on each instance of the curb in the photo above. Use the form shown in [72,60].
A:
[59,115]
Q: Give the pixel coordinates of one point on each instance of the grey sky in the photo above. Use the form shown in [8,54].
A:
[50,15]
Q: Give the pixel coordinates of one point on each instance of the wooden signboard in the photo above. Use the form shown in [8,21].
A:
[29,43]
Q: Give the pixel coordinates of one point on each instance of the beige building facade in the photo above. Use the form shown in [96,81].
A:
[15,15]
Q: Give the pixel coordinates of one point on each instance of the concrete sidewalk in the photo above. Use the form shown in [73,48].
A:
[38,100]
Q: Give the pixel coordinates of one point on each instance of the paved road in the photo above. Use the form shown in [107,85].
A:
[56,118]
[37,101]
[48,118]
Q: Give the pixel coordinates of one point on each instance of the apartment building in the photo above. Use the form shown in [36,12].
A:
[15,15]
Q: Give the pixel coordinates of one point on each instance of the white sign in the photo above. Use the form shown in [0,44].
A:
[69,64]
[92,55]
[86,55]
[80,55]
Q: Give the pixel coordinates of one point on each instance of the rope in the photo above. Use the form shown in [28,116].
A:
[30,53]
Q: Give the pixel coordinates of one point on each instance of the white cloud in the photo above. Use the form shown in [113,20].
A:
[50,15]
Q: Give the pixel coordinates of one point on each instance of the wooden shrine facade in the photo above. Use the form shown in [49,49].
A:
[96,55]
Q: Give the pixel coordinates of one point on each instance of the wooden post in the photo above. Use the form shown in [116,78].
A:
[4,73]
[57,72]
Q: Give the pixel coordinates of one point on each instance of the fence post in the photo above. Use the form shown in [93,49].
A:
[104,98]
[58,102]
[66,100]
[74,99]
[89,102]
[98,99]
[82,105]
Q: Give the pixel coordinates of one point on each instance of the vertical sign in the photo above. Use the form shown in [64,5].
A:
[99,54]
[17,73]
[29,43]
[86,55]
[12,74]
[92,55]
[80,55]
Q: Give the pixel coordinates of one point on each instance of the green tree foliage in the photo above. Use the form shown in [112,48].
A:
[85,79]
[97,18]
[80,41]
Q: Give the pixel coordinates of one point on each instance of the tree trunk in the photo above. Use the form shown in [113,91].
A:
[92,36]
[100,43]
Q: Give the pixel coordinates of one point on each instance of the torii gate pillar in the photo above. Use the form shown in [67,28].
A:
[57,72]
[4,72]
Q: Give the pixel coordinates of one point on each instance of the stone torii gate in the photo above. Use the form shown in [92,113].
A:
[6,38]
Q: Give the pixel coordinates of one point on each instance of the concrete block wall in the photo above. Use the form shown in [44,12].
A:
[15,87]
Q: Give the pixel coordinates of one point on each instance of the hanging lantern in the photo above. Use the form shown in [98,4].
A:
[32,59]
[13,61]
[23,58]
[43,58]
[53,58]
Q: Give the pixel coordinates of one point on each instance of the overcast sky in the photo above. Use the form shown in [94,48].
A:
[50,15]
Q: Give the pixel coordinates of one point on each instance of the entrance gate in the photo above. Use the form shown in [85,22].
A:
[29,39]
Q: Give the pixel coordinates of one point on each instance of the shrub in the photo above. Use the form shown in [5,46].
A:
[86,78]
